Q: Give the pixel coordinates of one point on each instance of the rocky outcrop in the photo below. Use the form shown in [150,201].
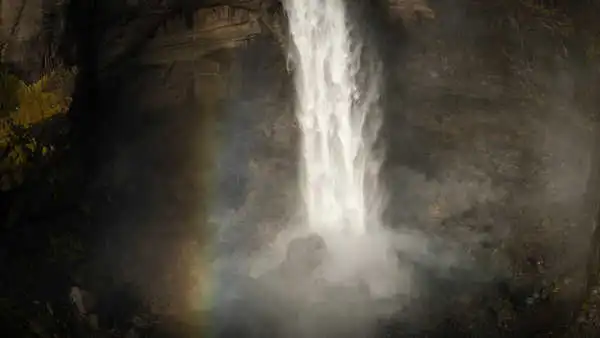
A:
[410,10]
[31,33]
[213,29]
[506,154]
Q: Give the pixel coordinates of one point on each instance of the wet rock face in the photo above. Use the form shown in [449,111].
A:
[218,28]
[478,152]
[30,35]
[31,32]
[306,254]
[202,95]
[410,11]
[37,26]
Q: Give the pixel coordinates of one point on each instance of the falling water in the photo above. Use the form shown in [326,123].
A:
[338,118]
[337,83]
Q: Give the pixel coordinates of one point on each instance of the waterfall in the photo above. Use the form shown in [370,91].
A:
[339,120]
[337,84]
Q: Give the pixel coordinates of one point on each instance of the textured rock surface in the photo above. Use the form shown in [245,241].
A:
[30,35]
[500,154]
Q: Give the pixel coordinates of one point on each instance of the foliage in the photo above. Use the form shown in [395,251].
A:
[28,104]
[23,106]
[20,151]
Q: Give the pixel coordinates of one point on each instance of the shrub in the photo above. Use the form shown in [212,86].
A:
[21,107]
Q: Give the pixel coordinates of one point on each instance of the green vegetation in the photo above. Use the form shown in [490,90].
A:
[23,106]
[27,104]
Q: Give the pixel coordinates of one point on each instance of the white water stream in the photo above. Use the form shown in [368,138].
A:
[339,171]
[337,110]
